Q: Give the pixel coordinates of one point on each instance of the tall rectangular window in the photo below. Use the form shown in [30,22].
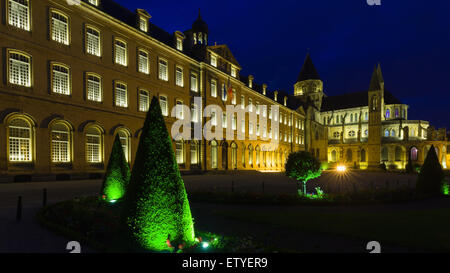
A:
[194,113]
[242,102]
[234,100]
[19,14]
[94,88]
[60,28]
[121,95]
[194,82]
[19,141]
[143,62]
[233,72]
[179,44]
[19,69]
[213,118]
[120,51]
[164,106]
[179,76]
[214,88]
[144,101]
[224,120]
[214,61]
[60,79]
[60,144]
[143,26]
[163,73]
[179,110]
[93,41]
[250,104]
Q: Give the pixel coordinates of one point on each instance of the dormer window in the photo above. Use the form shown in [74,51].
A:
[179,44]
[233,72]
[93,2]
[143,24]
[213,60]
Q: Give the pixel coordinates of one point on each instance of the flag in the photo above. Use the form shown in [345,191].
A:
[229,90]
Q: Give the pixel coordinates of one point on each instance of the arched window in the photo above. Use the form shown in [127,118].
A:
[333,156]
[179,151]
[414,154]
[250,155]
[386,133]
[388,113]
[392,133]
[384,154]
[398,153]
[363,155]
[351,117]
[366,133]
[349,155]
[234,156]
[60,134]
[20,140]
[214,154]
[94,145]
[194,152]
[396,112]
[125,141]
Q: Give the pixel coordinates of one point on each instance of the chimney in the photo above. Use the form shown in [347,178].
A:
[264,89]
[275,95]
[285,100]
[250,81]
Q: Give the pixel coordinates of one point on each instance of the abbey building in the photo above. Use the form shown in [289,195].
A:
[75,76]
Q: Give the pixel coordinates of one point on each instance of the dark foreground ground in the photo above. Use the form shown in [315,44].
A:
[406,227]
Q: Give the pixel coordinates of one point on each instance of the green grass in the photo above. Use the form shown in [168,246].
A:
[422,230]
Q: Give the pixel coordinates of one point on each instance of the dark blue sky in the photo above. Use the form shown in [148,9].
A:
[346,38]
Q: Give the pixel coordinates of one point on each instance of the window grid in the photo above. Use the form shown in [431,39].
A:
[213,88]
[143,101]
[194,85]
[93,42]
[19,15]
[179,152]
[60,28]
[19,141]
[19,69]
[179,76]
[163,104]
[60,80]
[121,95]
[121,52]
[94,91]
[93,148]
[163,75]
[60,146]
[143,62]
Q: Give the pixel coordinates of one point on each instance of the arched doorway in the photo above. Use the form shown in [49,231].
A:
[225,156]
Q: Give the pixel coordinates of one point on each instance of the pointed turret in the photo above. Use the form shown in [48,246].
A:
[375,81]
[308,71]
[380,75]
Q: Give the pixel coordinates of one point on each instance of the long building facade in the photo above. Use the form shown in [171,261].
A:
[76,75]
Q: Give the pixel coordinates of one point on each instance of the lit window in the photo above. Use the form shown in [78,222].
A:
[143,101]
[224,92]
[60,143]
[163,75]
[214,154]
[120,51]
[60,28]
[194,113]
[242,102]
[179,110]
[213,88]
[94,88]
[19,69]
[250,104]
[213,61]
[179,76]
[233,72]
[143,24]
[60,79]
[233,100]
[234,124]
[179,151]
[164,106]
[125,142]
[213,118]
[93,41]
[194,153]
[388,113]
[20,141]
[194,83]
[250,128]
[19,14]
[121,95]
[179,44]
[224,120]
[243,125]
[93,145]
[257,108]
[393,133]
[414,154]
[144,66]
[386,133]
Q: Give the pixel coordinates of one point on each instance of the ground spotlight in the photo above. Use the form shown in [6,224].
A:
[341,168]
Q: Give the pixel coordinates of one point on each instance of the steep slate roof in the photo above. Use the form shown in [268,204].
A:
[352,100]
[308,71]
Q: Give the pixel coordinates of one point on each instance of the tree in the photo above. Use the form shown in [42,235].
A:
[431,177]
[409,166]
[156,206]
[303,167]
[117,173]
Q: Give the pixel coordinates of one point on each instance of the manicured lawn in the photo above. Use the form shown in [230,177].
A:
[422,230]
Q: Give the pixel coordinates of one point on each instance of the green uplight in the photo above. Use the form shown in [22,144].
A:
[446,189]
[205,245]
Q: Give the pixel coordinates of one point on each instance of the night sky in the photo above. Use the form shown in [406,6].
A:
[346,38]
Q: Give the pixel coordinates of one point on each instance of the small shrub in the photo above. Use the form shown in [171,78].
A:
[431,178]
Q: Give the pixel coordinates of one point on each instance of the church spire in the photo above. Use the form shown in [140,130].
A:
[380,75]
[375,81]
[308,71]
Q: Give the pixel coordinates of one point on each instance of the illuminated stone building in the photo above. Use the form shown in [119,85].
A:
[365,129]
[74,76]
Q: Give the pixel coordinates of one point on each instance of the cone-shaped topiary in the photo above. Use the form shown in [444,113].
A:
[431,177]
[156,207]
[117,174]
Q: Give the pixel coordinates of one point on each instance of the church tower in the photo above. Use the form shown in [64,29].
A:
[200,32]
[376,106]
[309,86]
